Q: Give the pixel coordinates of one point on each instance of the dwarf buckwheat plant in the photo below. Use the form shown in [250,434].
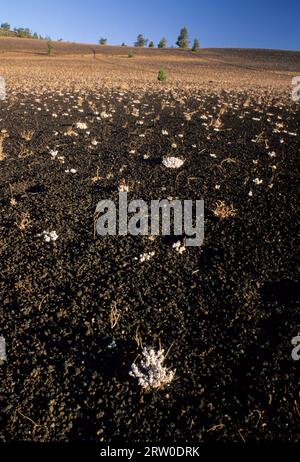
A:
[151,373]
[172,162]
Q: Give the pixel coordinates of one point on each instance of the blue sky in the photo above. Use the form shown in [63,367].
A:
[217,23]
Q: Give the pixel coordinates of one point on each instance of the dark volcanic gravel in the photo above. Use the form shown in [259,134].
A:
[227,309]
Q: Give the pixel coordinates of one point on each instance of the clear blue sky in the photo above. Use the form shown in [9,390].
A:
[217,23]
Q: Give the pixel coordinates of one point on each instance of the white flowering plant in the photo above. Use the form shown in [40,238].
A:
[151,373]
[172,162]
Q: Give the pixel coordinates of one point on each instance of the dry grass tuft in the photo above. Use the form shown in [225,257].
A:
[228,160]
[97,178]
[24,152]
[27,135]
[247,102]
[216,122]
[114,316]
[224,211]
[24,221]
[12,201]
[138,337]
[3,135]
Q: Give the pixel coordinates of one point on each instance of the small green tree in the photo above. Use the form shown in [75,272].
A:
[20,31]
[141,41]
[196,45]
[162,75]
[50,47]
[183,38]
[5,26]
[151,44]
[103,41]
[162,43]
[130,54]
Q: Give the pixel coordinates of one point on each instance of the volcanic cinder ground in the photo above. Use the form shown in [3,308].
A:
[75,312]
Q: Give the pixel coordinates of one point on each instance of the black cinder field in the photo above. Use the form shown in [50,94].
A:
[77,309]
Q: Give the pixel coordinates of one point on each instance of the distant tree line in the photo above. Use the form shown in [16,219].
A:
[182,41]
[23,32]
